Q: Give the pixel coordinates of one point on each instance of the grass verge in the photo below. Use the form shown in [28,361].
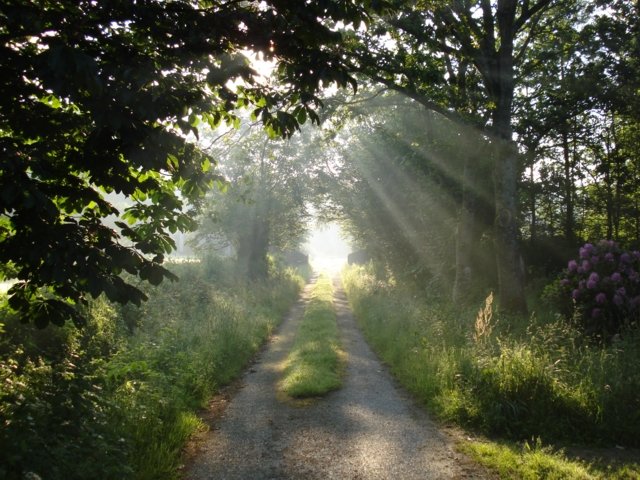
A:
[119,399]
[508,377]
[313,366]
[535,462]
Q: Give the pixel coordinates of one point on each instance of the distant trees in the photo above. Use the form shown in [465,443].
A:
[99,97]
[581,172]
[264,203]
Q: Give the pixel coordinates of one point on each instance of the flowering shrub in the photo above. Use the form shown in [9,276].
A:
[604,284]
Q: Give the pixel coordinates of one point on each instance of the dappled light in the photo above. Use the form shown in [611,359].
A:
[261,239]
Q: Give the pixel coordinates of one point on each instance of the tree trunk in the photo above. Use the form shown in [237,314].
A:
[505,176]
[569,230]
[508,258]
[254,247]
[533,228]
[466,238]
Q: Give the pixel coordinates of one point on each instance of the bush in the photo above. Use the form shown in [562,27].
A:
[117,399]
[601,288]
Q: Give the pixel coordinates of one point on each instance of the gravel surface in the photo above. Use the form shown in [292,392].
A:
[369,429]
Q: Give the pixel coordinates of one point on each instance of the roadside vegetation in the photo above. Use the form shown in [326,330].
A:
[511,377]
[314,364]
[118,399]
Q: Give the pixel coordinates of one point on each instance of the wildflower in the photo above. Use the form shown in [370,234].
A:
[586,266]
[575,294]
[593,280]
[573,265]
[618,300]
[601,298]
[596,312]
[616,277]
[621,291]
[609,257]
[625,258]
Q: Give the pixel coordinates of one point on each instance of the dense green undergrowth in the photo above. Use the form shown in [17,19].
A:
[118,399]
[314,363]
[508,377]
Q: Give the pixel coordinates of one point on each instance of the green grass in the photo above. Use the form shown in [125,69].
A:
[121,396]
[542,463]
[313,366]
[518,379]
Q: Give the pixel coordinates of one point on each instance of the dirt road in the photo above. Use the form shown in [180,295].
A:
[369,429]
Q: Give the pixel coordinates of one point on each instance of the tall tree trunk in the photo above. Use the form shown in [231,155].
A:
[508,258]
[466,236]
[506,173]
[569,228]
[533,228]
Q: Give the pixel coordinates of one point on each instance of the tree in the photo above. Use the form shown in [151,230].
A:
[447,56]
[264,206]
[101,97]
[398,187]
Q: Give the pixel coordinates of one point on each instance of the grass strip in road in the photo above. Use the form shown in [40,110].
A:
[314,364]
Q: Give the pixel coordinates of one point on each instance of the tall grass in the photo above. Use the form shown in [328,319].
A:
[522,378]
[314,363]
[119,399]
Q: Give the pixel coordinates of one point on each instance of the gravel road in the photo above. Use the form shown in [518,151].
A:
[369,429]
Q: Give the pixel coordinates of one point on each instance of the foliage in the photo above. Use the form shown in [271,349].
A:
[397,189]
[534,461]
[604,285]
[106,98]
[264,205]
[122,402]
[314,363]
[531,377]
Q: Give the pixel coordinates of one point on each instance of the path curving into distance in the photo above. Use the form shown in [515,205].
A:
[369,429]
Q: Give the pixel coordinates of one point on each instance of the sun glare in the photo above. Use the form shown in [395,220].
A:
[327,248]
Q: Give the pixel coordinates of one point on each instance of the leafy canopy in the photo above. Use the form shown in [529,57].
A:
[102,98]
